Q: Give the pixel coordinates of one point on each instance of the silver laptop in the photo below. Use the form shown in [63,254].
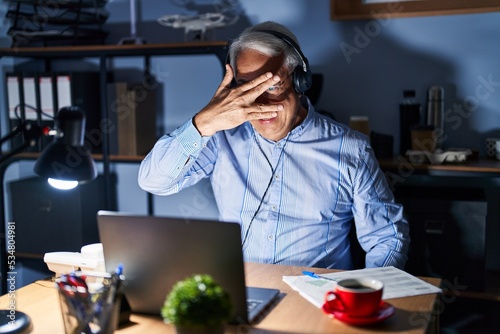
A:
[157,252]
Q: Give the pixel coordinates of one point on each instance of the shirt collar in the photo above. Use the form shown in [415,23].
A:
[299,129]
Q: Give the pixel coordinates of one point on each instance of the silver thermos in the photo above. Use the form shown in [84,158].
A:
[435,109]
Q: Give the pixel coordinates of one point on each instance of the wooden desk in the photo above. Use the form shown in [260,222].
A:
[291,314]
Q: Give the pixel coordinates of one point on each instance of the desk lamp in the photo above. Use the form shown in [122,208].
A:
[66,162]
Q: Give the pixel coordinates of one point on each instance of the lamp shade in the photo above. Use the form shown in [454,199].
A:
[66,158]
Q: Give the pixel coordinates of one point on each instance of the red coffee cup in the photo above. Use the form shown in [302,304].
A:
[356,297]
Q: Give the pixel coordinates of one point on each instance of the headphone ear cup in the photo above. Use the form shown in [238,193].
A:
[302,81]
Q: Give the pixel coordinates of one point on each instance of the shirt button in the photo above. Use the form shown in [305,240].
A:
[274,207]
[276,177]
[270,237]
[195,144]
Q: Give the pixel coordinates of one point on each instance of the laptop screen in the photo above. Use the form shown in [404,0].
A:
[157,252]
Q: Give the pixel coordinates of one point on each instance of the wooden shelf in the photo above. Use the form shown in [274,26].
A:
[219,48]
[482,167]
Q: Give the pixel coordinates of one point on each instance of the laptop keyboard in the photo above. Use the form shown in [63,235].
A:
[252,304]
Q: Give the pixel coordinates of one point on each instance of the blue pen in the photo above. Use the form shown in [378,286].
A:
[314,275]
[116,280]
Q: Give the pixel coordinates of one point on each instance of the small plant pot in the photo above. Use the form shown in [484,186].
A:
[197,305]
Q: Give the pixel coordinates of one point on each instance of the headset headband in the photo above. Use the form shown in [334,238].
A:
[292,43]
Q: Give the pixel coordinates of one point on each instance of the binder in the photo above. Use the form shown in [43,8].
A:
[64,97]
[38,96]
[30,94]
[23,102]
[46,97]
[13,95]
[30,98]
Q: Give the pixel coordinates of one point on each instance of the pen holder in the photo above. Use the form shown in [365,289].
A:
[92,308]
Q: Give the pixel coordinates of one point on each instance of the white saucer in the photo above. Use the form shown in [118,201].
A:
[385,311]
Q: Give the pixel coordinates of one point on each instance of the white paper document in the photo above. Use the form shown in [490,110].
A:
[397,283]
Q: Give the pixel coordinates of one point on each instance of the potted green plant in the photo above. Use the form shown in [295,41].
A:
[197,304]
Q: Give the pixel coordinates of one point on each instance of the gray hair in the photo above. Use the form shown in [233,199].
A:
[256,38]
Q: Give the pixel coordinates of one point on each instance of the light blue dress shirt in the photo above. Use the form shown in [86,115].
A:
[311,184]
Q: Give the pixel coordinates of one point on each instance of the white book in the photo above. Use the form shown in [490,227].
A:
[63,91]
[30,98]
[46,98]
[13,96]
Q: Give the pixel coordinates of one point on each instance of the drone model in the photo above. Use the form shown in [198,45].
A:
[197,23]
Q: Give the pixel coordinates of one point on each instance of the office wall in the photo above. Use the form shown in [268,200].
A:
[366,63]
[459,52]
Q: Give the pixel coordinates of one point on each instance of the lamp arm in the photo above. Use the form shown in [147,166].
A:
[7,155]
[31,133]
[17,130]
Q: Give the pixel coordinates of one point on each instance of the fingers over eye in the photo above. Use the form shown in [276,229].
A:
[261,83]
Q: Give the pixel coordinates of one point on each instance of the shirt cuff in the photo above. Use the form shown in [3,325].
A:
[190,139]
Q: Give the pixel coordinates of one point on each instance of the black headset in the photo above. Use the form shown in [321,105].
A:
[301,76]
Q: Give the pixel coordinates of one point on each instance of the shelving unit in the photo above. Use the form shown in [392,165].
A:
[103,53]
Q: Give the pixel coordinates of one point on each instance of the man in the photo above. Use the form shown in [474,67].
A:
[292,178]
